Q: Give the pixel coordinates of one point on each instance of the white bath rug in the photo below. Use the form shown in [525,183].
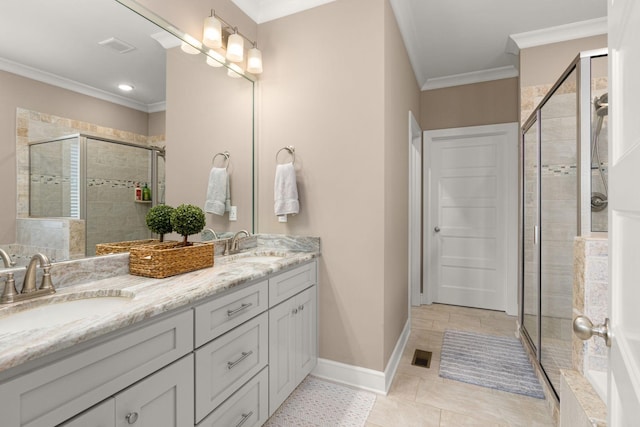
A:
[317,403]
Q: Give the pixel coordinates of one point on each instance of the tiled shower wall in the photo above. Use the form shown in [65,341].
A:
[112,211]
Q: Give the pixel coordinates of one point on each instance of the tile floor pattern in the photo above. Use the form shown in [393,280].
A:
[419,397]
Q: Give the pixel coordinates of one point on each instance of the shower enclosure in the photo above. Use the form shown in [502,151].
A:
[564,194]
[94,179]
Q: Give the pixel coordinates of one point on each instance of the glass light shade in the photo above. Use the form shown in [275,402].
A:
[254,61]
[189,47]
[212,33]
[234,71]
[215,59]
[235,48]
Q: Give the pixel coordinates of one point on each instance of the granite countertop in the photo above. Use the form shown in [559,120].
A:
[148,298]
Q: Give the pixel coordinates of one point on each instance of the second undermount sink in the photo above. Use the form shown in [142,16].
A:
[262,259]
[61,312]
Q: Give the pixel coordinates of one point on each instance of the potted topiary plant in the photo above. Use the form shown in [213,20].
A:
[187,220]
[159,220]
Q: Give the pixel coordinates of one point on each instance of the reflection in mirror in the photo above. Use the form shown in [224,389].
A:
[49,94]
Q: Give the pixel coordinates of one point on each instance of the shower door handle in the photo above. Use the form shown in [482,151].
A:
[535,234]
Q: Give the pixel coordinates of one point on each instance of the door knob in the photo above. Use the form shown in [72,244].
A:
[132,417]
[436,229]
[584,329]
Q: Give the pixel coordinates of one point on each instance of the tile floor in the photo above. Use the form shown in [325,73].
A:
[419,397]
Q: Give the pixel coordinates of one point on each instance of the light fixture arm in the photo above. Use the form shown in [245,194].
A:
[231,27]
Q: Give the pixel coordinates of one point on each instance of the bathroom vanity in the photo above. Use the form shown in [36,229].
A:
[222,346]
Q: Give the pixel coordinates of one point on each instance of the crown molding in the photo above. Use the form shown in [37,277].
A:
[267,10]
[472,77]
[575,30]
[54,80]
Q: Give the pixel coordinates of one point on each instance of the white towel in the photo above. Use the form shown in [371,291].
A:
[286,190]
[217,191]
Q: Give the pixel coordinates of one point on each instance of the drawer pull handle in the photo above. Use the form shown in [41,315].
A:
[132,417]
[245,354]
[244,419]
[301,307]
[239,309]
[294,311]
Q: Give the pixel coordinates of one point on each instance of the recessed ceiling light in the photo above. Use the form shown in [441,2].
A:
[125,87]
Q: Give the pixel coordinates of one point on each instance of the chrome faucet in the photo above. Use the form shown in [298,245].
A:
[6,259]
[234,240]
[29,289]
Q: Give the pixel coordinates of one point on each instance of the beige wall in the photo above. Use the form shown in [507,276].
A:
[544,64]
[401,95]
[470,105]
[18,91]
[338,98]
[208,113]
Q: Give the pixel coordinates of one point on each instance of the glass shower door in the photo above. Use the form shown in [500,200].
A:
[531,248]
[558,225]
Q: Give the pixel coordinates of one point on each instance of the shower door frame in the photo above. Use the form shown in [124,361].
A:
[582,65]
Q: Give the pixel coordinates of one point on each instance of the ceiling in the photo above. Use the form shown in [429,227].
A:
[452,42]
[449,42]
[57,42]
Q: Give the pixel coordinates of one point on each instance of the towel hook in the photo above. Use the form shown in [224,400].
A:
[291,149]
[227,158]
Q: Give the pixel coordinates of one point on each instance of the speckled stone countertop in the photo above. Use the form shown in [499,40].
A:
[148,297]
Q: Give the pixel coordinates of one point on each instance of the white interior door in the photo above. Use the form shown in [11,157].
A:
[471,230]
[624,216]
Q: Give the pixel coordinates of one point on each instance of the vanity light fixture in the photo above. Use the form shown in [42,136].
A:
[189,47]
[220,35]
[214,59]
[235,47]
[125,87]
[254,60]
[212,33]
[235,71]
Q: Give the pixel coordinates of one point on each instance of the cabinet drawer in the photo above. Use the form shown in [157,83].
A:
[229,361]
[247,407]
[56,392]
[223,314]
[286,285]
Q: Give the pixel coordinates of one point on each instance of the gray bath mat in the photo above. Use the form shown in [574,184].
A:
[488,361]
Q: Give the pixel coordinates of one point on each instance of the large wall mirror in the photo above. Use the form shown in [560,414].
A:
[60,66]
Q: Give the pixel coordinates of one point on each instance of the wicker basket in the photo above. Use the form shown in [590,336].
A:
[119,247]
[168,259]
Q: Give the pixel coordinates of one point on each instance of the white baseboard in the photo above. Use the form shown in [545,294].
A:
[364,378]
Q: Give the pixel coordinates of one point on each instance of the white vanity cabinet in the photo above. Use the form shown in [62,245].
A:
[53,393]
[164,399]
[292,335]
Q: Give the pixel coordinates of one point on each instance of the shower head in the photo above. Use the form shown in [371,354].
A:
[601,105]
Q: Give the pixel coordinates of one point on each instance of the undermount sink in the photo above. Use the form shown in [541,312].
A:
[52,313]
[262,259]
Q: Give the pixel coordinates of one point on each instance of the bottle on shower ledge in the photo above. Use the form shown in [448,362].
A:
[138,192]
[146,193]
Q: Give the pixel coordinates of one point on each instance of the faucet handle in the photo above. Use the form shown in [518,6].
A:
[9,294]
[46,279]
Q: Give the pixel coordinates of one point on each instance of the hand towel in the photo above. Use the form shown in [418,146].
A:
[217,191]
[286,190]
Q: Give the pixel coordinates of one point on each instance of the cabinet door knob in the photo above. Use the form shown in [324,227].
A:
[436,229]
[295,311]
[132,417]
[301,307]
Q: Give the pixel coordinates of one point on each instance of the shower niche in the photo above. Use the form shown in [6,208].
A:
[564,168]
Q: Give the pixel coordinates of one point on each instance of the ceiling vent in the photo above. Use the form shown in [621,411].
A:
[117,45]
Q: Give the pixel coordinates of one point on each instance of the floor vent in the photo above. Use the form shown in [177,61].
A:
[422,358]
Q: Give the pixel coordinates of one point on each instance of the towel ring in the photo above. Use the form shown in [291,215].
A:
[291,149]
[226,156]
